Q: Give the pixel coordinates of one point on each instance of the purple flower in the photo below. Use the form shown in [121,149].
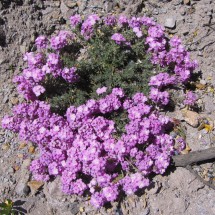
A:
[190,98]
[38,90]
[110,20]
[118,38]
[122,20]
[70,74]
[101,90]
[41,42]
[75,20]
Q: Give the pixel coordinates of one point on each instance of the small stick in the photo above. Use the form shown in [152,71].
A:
[194,157]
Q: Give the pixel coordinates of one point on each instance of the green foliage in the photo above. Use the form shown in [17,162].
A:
[101,62]
[6,208]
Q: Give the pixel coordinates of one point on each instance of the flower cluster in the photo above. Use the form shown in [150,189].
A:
[84,146]
[30,83]
[84,150]
[190,98]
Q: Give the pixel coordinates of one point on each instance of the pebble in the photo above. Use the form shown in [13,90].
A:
[5,146]
[203,82]
[74,207]
[10,170]
[191,118]
[70,3]
[186,1]
[14,100]
[47,10]
[155,12]
[23,49]
[35,185]
[177,2]
[182,11]
[108,6]
[162,10]
[64,9]
[170,22]
[31,149]
[22,189]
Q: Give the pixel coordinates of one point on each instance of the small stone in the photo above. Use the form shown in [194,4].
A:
[203,82]
[155,12]
[146,211]
[108,6]
[26,163]
[35,185]
[70,3]
[5,146]
[191,117]
[10,170]
[22,189]
[16,168]
[162,10]
[81,209]
[74,208]
[65,10]
[14,100]
[200,86]
[170,22]
[23,49]
[186,1]
[20,155]
[31,149]
[57,3]
[209,13]
[177,2]
[47,10]
[22,145]
[182,11]
[5,99]
[200,53]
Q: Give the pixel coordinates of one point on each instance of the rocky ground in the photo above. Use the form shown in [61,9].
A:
[178,191]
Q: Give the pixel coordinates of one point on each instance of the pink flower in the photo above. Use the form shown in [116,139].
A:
[118,38]
[101,90]
[38,90]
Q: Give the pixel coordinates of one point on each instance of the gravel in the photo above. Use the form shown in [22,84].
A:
[177,192]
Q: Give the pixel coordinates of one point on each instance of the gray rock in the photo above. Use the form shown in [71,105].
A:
[47,10]
[70,3]
[66,11]
[23,49]
[170,22]
[52,190]
[5,99]
[108,6]
[182,11]
[155,12]
[162,10]
[146,211]
[177,2]
[74,208]
[202,81]
[10,170]
[22,189]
